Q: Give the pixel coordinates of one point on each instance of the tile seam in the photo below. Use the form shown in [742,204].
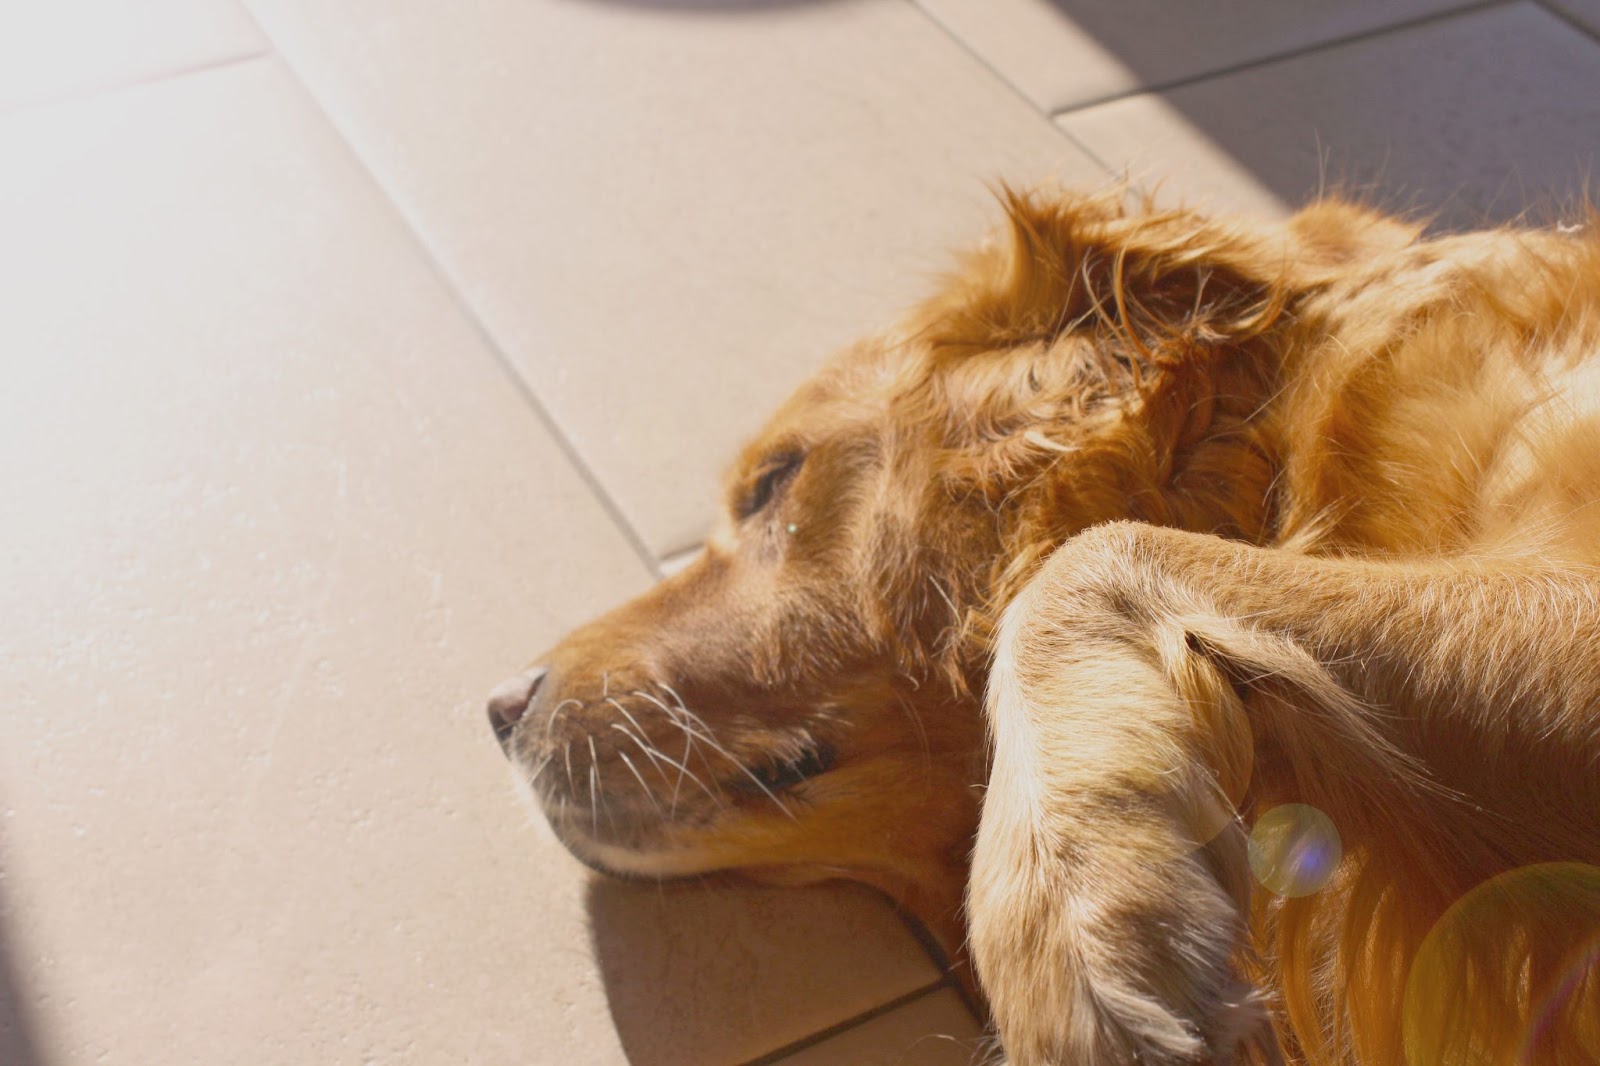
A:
[1463,11]
[458,296]
[855,1021]
[78,96]
[1572,21]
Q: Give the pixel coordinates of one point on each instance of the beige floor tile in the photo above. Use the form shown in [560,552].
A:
[1472,119]
[275,519]
[935,1030]
[1586,12]
[669,213]
[57,48]
[1065,55]
[711,978]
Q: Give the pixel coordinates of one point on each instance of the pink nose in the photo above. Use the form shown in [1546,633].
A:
[510,699]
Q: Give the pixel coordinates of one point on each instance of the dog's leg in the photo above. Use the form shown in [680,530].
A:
[1110,881]
[1103,914]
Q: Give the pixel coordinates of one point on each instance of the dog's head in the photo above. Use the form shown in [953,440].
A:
[803,701]
[793,704]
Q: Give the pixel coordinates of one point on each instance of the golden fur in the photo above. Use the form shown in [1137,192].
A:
[1221,519]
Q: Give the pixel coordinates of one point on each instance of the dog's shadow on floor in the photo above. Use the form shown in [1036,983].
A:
[719,971]
[18,1044]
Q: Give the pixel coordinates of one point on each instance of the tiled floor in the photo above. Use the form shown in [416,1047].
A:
[357,348]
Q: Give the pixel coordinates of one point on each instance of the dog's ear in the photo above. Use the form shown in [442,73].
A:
[1113,358]
[1088,303]
[1147,284]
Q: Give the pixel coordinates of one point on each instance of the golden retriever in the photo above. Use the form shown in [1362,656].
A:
[1252,570]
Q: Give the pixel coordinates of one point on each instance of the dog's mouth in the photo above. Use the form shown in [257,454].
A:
[688,774]
[632,786]
[677,835]
[776,774]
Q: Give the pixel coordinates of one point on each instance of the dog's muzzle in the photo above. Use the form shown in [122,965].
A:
[510,700]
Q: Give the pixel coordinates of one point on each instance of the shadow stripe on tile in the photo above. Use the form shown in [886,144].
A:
[1570,19]
[451,286]
[772,1058]
[1465,11]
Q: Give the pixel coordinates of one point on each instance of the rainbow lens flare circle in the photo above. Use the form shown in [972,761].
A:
[1294,850]
[1510,974]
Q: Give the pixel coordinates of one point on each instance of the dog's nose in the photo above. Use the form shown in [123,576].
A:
[510,699]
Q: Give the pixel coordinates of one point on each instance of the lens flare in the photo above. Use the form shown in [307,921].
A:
[1510,975]
[1294,850]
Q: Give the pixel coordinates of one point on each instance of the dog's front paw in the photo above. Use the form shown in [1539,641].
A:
[1110,875]
[1120,952]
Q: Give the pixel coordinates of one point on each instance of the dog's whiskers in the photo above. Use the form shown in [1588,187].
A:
[669,690]
[549,723]
[658,756]
[704,733]
[683,772]
[649,749]
[689,735]
[652,753]
[597,791]
[594,801]
[648,791]
[683,767]
[625,713]
[653,699]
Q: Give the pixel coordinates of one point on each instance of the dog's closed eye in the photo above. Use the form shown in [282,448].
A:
[773,478]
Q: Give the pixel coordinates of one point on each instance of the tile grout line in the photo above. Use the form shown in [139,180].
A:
[1583,28]
[776,1057]
[942,961]
[608,504]
[1463,11]
[78,96]
[983,61]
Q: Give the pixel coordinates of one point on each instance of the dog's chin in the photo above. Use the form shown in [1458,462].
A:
[654,849]
[641,846]
[627,848]
[701,825]
[634,864]
[684,863]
